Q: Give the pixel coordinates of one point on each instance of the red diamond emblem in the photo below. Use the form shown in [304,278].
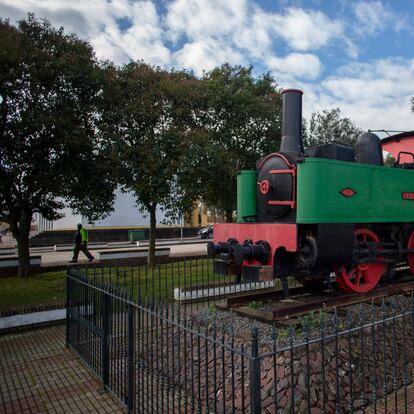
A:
[348,192]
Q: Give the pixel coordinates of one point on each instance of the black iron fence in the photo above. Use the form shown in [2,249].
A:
[189,280]
[157,356]
[151,356]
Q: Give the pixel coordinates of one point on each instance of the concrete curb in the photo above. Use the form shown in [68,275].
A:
[27,320]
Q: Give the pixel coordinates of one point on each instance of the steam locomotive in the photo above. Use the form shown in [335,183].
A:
[320,213]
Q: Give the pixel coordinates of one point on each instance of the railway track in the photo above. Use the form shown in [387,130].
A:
[301,301]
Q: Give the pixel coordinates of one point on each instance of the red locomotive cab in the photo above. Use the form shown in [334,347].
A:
[400,144]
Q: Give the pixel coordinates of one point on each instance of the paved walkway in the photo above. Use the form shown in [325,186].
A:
[61,258]
[38,374]
[51,258]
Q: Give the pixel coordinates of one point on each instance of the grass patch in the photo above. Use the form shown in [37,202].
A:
[160,281]
[157,282]
[41,289]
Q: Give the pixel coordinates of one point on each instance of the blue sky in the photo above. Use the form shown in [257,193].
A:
[356,55]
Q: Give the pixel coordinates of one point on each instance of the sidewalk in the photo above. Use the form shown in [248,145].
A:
[38,374]
[58,258]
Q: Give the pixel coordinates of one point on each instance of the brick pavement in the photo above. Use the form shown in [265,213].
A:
[38,374]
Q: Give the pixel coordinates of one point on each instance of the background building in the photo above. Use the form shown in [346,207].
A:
[126,214]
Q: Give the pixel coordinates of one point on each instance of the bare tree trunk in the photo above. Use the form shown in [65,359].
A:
[153,225]
[21,231]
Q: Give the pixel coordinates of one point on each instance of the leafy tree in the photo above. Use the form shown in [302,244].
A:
[242,123]
[50,83]
[329,126]
[147,121]
[389,160]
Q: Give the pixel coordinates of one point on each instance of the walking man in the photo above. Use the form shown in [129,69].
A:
[81,244]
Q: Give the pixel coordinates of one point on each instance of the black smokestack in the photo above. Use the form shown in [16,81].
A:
[292,121]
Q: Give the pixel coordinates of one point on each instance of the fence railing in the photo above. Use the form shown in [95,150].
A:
[184,281]
[156,356]
[152,357]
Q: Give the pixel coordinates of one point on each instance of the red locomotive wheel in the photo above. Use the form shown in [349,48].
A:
[365,276]
[410,256]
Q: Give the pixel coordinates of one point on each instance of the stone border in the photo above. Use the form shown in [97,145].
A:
[183,295]
[130,253]
[13,261]
[133,261]
[69,247]
[166,242]
[10,264]
[7,250]
[24,321]
[30,309]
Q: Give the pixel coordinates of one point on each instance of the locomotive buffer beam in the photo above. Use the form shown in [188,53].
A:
[229,256]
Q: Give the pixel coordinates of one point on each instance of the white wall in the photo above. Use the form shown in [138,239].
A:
[126,213]
[70,220]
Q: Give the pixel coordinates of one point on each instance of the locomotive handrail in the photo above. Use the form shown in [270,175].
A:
[292,203]
[291,171]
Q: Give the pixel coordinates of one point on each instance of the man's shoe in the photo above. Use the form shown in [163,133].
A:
[91,259]
[73,261]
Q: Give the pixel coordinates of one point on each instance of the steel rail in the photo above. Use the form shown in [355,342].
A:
[308,302]
[346,299]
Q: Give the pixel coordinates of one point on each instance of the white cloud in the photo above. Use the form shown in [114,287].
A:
[97,21]
[205,55]
[375,94]
[235,31]
[288,42]
[203,34]
[143,39]
[238,20]
[380,80]
[197,20]
[207,31]
[374,17]
[306,30]
[75,15]
[303,65]
[256,37]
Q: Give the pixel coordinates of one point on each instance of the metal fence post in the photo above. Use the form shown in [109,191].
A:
[131,371]
[254,368]
[106,300]
[67,307]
